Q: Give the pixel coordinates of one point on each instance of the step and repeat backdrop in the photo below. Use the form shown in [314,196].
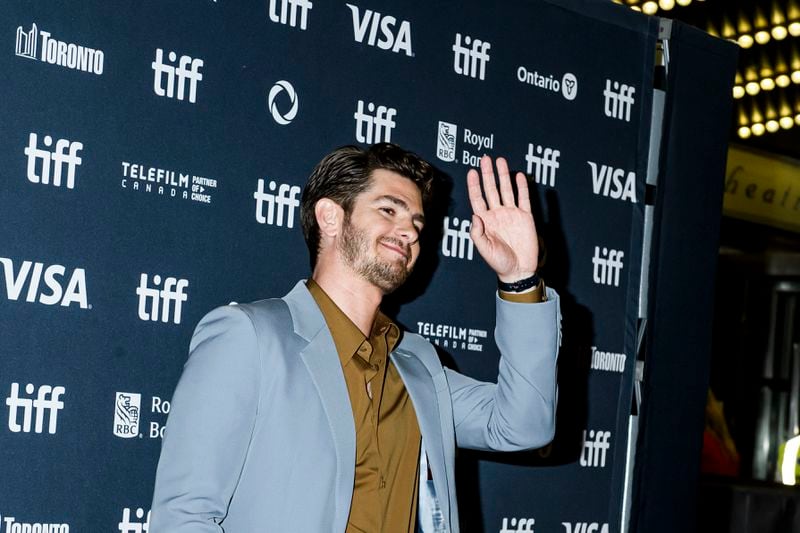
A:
[152,155]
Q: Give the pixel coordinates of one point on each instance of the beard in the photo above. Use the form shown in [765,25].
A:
[385,274]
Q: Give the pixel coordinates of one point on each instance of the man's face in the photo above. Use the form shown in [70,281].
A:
[380,238]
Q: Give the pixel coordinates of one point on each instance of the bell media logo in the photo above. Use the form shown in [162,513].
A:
[517,525]
[618,100]
[291,12]
[53,293]
[55,52]
[173,290]
[367,25]
[567,86]
[52,164]
[281,205]
[374,125]
[584,527]
[470,58]
[456,241]
[446,141]
[282,87]
[188,69]
[139,523]
[126,414]
[47,404]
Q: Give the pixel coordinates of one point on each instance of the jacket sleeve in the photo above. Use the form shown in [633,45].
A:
[210,425]
[518,412]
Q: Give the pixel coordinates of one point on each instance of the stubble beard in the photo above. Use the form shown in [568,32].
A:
[355,250]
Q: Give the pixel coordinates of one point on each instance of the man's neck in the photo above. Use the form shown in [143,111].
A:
[355,296]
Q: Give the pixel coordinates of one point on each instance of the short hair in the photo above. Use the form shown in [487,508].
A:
[346,172]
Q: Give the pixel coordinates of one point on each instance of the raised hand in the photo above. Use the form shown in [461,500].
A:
[503,230]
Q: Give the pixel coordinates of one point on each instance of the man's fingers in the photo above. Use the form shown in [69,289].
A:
[489,186]
[524,199]
[474,190]
[506,191]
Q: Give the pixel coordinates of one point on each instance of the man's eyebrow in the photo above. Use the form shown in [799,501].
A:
[418,217]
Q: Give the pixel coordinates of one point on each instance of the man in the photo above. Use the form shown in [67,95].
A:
[313,413]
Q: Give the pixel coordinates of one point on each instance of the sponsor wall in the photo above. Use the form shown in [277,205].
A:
[153,155]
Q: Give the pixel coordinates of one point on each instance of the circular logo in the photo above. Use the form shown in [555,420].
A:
[282,118]
[569,86]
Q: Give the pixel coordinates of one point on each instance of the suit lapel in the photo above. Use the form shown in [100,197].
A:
[319,356]
[421,389]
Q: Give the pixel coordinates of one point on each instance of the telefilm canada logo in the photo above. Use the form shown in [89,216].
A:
[567,86]
[40,45]
[134,521]
[13,525]
[382,31]
[35,282]
[451,336]
[280,91]
[473,144]
[167,182]
[129,416]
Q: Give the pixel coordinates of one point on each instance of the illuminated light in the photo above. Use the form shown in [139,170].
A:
[752,88]
[796,77]
[745,41]
[650,8]
[636,8]
[786,122]
[789,463]
[794,29]
[773,126]
[779,33]
[762,37]
[797,119]
[744,132]
[684,3]
[783,80]
[767,84]
[738,91]
[666,5]
[758,129]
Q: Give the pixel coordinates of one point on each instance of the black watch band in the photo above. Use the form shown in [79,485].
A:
[521,285]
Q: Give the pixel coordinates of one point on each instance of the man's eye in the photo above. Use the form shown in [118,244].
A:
[387,210]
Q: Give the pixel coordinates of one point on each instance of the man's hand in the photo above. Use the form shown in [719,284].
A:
[502,229]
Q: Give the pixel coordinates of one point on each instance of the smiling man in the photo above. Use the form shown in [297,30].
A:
[315,412]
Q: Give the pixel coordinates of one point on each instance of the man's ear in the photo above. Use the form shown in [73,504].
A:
[330,217]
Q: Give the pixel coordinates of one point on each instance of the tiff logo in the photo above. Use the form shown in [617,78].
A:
[607,265]
[470,61]
[27,42]
[388,40]
[46,402]
[65,154]
[594,448]
[584,527]
[542,163]
[456,241]
[517,525]
[284,202]
[374,127]
[173,290]
[289,12]
[618,100]
[126,414]
[187,69]
[129,526]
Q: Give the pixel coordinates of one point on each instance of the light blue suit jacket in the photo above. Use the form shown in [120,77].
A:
[261,438]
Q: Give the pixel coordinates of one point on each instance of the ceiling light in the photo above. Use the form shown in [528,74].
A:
[684,2]
[773,126]
[767,84]
[762,37]
[744,132]
[758,129]
[797,119]
[752,88]
[796,76]
[786,122]
[738,91]
[650,8]
[783,80]
[794,29]
[779,33]
[745,41]
[666,5]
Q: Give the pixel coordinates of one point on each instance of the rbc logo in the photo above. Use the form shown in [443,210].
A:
[188,69]
[174,290]
[446,141]
[606,266]
[374,128]
[47,401]
[517,525]
[470,61]
[618,100]
[456,241]
[372,20]
[285,202]
[65,153]
[543,164]
[129,526]
[126,414]
[289,11]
